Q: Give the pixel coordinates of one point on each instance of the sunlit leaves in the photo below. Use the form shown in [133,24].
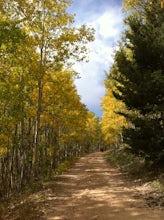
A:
[112,122]
[42,119]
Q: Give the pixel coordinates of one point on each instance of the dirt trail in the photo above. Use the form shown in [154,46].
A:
[92,190]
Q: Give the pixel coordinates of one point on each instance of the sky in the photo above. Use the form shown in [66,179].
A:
[106,18]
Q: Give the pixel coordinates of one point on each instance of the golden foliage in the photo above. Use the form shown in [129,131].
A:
[112,122]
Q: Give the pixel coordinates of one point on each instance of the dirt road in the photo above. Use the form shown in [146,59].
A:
[92,190]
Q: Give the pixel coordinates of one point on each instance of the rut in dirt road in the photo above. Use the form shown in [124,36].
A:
[92,189]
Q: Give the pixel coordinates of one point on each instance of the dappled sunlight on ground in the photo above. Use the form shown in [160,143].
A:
[90,190]
[93,190]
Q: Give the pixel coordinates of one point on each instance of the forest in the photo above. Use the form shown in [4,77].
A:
[42,119]
[133,107]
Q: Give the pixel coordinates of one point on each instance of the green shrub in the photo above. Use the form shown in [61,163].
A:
[126,161]
[64,166]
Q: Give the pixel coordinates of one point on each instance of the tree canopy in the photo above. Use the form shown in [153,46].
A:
[42,119]
[138,72]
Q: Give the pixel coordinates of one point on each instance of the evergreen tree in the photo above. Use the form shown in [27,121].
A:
[139,69]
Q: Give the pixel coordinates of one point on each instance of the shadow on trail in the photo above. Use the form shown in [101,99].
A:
[93,190]
[90,190]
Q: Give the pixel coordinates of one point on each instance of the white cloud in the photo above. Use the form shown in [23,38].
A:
[101,53]
[90,86]
[109,23]
[108,27]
